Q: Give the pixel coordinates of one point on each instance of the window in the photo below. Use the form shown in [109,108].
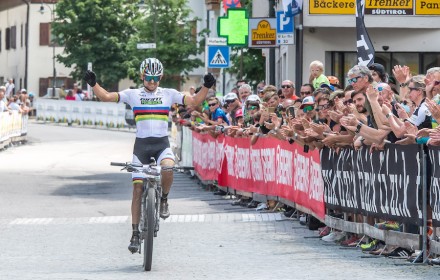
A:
[21,35]
[14,37]
[417,62]
[44,34]
[8,38]
[0,41]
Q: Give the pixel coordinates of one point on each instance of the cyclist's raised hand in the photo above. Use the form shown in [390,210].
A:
[209,80]
[90,78]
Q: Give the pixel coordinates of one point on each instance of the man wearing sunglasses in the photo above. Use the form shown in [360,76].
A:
[288,89]
[151,105]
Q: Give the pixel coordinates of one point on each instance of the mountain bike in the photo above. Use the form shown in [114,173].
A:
[152,192]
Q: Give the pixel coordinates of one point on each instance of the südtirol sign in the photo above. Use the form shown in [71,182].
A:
[372,7]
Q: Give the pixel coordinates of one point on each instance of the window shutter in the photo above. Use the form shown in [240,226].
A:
[44,34]
[8,38]
[14,37]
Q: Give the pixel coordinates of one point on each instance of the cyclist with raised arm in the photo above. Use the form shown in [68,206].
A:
[151,105]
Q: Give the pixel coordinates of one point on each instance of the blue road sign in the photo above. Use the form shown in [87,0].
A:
[284,24]
[285,28]
[218,57]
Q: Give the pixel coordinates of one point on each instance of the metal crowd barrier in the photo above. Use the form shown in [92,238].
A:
[103,114]
[393,184]
[13,128]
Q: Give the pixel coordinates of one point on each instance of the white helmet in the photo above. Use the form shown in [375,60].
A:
[151,67]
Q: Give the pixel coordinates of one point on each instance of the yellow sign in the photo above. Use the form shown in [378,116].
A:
[427,7]
[389,7]
[335,7]
[373,7]
[388,4]
[264,35]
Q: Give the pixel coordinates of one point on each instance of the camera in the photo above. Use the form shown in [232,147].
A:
[385,48]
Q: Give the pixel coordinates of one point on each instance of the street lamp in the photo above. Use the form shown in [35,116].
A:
[42,10]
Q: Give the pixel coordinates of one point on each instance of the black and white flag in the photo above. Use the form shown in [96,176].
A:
[365,49]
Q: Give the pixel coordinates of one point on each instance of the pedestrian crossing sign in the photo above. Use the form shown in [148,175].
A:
[218,56]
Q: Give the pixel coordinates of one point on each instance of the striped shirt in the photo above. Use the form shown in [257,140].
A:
[151,109]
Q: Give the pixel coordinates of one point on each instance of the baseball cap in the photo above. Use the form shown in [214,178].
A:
[378,68]
[333,80]
[230,96]
[308,100]
[239,113]
[23,90]
[332,88]
[253,98]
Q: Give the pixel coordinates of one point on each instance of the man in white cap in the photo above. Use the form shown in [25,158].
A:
[232,105]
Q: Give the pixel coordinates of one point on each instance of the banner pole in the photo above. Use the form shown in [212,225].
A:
[424,206]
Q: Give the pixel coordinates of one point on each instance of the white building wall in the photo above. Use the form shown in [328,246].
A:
[12,60]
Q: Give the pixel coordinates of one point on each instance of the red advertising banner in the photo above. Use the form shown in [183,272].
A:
[208,153]
[269,167]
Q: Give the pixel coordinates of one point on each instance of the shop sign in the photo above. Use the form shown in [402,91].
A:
[263,32]
[335,7]
[372,7]
[389,7]
[427,7]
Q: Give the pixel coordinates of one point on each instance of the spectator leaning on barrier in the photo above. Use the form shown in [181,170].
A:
[3,104]
[232,105]
[218,116]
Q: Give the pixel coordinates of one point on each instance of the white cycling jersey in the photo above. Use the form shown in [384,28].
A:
[151,109]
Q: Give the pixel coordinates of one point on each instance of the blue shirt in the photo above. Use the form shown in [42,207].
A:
[218,113]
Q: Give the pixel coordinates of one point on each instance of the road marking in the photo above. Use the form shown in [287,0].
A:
[196,218]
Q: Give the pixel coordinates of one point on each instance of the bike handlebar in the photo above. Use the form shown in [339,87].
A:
[136,167]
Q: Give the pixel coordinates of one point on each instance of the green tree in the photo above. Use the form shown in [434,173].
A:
[249,63]
[95,31]
[166,23]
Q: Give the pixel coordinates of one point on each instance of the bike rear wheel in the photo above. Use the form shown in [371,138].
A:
[150,222]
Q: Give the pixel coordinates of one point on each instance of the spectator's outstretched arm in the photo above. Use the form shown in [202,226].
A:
[396,125]
[371,134]
[372,95]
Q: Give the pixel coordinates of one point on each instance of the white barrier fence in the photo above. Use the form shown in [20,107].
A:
[13,127]
[81,113]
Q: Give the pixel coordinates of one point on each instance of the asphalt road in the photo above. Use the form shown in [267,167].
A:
[65,214]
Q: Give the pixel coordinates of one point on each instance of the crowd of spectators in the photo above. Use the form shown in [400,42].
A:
[10,100]
[373,108]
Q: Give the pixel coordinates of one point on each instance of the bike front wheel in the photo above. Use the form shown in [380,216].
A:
[150,222]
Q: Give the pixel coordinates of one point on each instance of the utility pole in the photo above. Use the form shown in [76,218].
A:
[272,50]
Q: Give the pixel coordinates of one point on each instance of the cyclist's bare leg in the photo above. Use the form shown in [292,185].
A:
[135,217]
[167,180]
[136,203]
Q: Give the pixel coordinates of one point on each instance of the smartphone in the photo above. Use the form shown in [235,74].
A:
[271,110]
[291,111]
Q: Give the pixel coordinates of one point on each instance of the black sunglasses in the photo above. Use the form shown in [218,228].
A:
[286,86]
[349,101]
[212,104]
